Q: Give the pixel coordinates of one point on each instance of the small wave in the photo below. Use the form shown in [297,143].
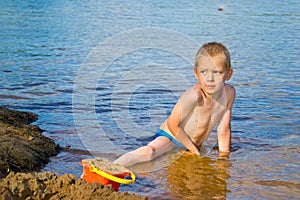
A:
[13,97]
[241,118]
[274,183]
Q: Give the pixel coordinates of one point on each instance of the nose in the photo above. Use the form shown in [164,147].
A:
[210,77]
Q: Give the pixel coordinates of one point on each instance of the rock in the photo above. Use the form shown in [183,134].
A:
[23,147]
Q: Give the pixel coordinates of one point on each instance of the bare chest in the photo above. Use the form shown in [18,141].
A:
[201,121]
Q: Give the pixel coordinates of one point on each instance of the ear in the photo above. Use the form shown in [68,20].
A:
[196,73]
[229,74]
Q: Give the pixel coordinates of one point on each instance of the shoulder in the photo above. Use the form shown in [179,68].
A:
[195,93]
[230,93]
[229,89]
[190,96]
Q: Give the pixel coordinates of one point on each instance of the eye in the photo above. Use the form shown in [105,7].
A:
[218,72]
[203,72]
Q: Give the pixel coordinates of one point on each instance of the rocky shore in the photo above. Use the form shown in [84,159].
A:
[24,151]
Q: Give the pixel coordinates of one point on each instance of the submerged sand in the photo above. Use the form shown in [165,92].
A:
[24,150]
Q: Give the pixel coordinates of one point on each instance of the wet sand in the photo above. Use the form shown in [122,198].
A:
[24,151]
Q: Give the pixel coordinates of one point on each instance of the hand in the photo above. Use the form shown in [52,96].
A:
[197,153]
[193,149]
[223,155]
[193,153]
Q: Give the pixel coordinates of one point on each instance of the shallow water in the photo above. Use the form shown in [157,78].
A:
[45,47]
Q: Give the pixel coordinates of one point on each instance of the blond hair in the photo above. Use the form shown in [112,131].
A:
[214,49]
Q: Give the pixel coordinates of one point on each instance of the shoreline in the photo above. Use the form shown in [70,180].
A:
[24,151]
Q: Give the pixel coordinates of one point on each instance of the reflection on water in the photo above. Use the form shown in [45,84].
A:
[271,173]
[191,177]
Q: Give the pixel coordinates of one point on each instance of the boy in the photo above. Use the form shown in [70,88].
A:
[199,109]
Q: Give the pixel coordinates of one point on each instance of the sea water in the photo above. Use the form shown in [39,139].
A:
[49,49]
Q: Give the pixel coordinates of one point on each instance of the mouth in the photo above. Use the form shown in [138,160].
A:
[210,87]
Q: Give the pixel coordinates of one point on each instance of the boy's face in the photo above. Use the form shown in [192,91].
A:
[211,74]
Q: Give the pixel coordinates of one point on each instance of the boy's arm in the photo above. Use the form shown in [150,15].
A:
[180,110]
[224,133]
[182,137]
[224,129]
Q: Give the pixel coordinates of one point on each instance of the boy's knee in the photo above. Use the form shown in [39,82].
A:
[146,150]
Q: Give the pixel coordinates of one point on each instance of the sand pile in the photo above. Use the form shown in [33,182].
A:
[46,185]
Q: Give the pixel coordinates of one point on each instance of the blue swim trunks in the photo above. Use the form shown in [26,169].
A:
[161,132]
